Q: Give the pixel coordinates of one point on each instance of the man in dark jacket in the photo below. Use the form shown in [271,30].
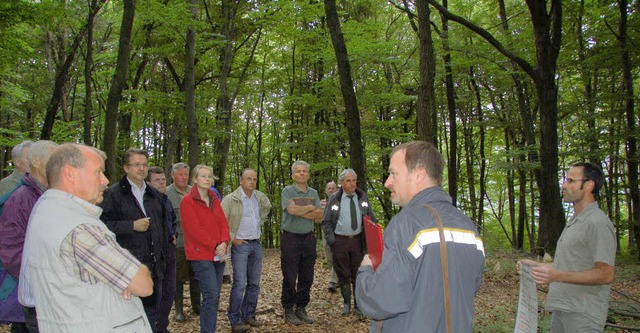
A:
[344,232]
[135,212]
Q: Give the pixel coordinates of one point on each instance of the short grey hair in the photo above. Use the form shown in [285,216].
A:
[68,154]
[41,149]
[300,162]
[179,166]
[17,150]
[346,172]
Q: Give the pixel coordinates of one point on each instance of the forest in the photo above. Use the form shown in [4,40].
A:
[512,93]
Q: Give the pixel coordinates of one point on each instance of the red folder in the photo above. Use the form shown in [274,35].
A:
[375,246]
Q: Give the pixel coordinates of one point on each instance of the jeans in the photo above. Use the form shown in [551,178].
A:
[247,266]
[297,260]
[209,275]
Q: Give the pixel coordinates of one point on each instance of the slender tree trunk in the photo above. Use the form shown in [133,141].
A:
[632,150]
[452,173]
[224,103]
[352,116]
[88,66]
[190,89]
[62,75]
[117,85]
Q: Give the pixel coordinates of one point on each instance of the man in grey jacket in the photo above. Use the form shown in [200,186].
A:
[405,293]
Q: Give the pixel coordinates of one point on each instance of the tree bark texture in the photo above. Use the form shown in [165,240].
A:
[115,91]
[426,116]
[190,89]
[352,116]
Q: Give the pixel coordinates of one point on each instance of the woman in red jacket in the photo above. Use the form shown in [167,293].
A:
[206,235]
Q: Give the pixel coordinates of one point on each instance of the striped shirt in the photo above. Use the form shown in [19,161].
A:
[96,256]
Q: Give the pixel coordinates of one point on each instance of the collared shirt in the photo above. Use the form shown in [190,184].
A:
[297,224]
[344,221]
[138,193]
[96,256]
[249,227]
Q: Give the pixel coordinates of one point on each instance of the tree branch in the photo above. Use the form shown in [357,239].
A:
[522,63]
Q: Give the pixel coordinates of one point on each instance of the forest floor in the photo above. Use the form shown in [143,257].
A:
[496,302]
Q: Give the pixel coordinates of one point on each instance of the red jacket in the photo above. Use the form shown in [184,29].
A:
[204,227]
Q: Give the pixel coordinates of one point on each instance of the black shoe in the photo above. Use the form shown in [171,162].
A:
[252,321]
[291,318]
[301,313]
[332,287]
[226,279]
[240,328]
[179,317]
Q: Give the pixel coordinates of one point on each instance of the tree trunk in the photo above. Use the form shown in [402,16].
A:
[88,65]
[57,97]
[547,28]
[352,116]
[632,150]
[452,174]
[426,116]
[190,89]
[115,91]
[224,102]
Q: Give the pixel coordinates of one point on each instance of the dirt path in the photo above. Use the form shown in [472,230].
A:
[324,307]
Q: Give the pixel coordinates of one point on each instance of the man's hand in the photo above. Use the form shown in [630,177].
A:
[527,262]
[544,274]
[174,240]
[141,225]
[366,261]
[126,294]
[238,241]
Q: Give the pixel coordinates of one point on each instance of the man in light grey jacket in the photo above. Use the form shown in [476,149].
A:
[246,210]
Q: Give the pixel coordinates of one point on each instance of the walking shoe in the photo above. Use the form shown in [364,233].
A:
[346,309]
[240,328]
[179,317]
[332,287]
[252,321]
[291,318]
[301,313]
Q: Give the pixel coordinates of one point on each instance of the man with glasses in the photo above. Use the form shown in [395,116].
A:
[135,212]
[583,267]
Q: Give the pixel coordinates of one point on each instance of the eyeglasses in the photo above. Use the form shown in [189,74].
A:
[139,165]
[571,180]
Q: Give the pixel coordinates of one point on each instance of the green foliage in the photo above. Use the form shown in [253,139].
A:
[287,102]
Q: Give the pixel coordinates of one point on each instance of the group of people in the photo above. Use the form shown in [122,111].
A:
[116,255]
[78,256]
